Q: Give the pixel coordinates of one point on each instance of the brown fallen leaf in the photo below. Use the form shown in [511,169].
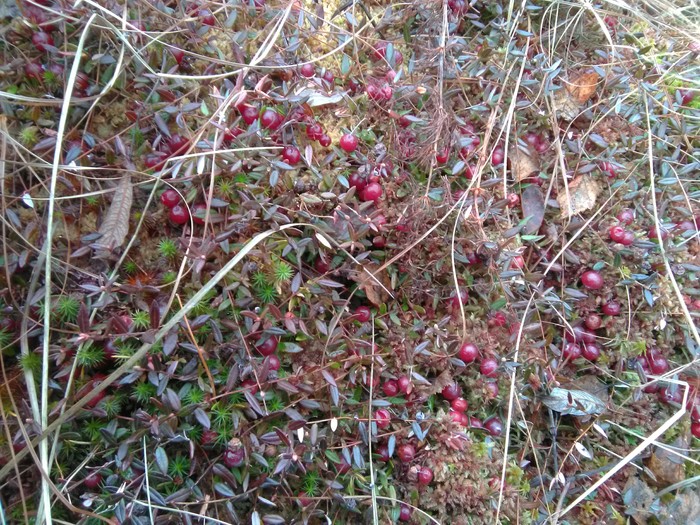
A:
[666,467]
[532,204]
[583,86]
[115,226]
[522,163]
[376,293]
[582,195]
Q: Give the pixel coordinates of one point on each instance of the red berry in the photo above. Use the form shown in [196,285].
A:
[199,212]
[314,131]
[249,113]
[42,41]
[34,70]
[617,234]
[383,453]
[669,395]
[170,198]
[404,384]
[274,362]
[494,426]
[324,140]
[382,417]
[474,422]
[291,155]
[591,352]
[208,438]
[179,215]
[468,352]
[451,391]
[234,457]
[268,346]
[593,322]
[405,513]
[498,156]
[571,352]
[611,308]
[498,319]
[406,452]
[592,280]
[443,155]
[92,480]
[492,389]
[329,77]
[695,430]
[251,385]
[82,81]
[207,17]
[654,235]
[456,299]
[608,168]
[513,200]
[307,70]
[658,364]
[390,388]
[178,54]
[321,265]
[488,367]
[626,216]
[357,181]
[687,96]
[349,142]
[372,192]
[270,119]
[363,314]
[425,475]
[459,404]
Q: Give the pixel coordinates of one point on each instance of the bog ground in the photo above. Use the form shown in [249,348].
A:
[357,262]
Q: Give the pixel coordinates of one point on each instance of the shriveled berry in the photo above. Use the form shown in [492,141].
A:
[234,457]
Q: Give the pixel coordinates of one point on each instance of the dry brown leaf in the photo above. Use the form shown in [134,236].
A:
[532,204]
[115,226]
[583,192]
[583,87]
[522,163]
[376,294]
[666,467]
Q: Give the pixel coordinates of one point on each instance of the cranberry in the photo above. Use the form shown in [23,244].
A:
[443,155]
[425,475]
[357,181]
[199,212]
[451,391]
[321,265]
[658,364]
[593,321]
[617,234]
[251,385]
[513,200]
[612,308]
[457,299]
[695,430]
[404,121]
[324,140]
[34,70]
[406,452]
[270,119]
[274,362]
[329,77]
[468,352]
[373,92]
[343,467]
[372,192]
[179,215]
[498,156]
[494,426]
[268,346]
[42,41]
[382,417]
[579,335]
[249,113]
[349,142]
[608,168]
[390,388]
[208,438]
[379,242]
[207,17]
[592,280]
[404,384]
[363,314]
[231,133]
[668,395]
[386,92]
[82,81]
[405,513]
[488,367]
[498,319]
[626,216]
[170,198]
[314,131]
[291,155]
[178,54]
[383,453]
[474,422]
[307,70]
[234,457]
[92,480]
[654,235]
[687,96]
[459,404]
[571,352]
[591,352]
[492,389]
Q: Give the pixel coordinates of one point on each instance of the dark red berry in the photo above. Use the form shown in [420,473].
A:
[372,192]
[451,391]
[468,352]
[170,198]
[492,389]
[695,430]
[357,181]
[207,17]
[321,265]
[612,308]
[670,395]
[249,113]
[291,155]
[494,426]
[626,216]
[324,140]
[178,54]
[208,438]
[363,314]
[314,131]
[274,362]
[34,70]
[459,404]
[406,452]
[457,299]
[307,70]
[593,321]
[179,215]
[405,513]
[591,352]
[270,119]
[474,422]
[488,367]
[443,155]
[571,352]
[498,156]
[383,452]
[328,76]
[425,475]
[199,212]
[404,384]
[592,280]
[268,346]
[42,41]
[82,81]
[382,417]
[349,142]
[617,234]
[92,481]
[234,457]
[390,388]
[658,364]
